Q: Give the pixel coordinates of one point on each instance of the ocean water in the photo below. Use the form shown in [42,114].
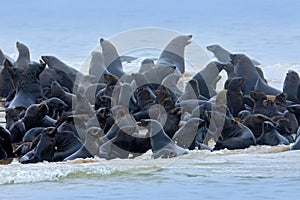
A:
[268,31]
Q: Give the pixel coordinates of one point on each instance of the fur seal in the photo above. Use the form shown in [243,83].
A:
[223,55]
[6,82]
[29,141]
[146,65]
[29,89]
[23,59]
[122,136]
[242,115]
[36,116]
[66,144]
[162,146]
[14,124]
[254,123]
[295,109]
[74,124]
[280,102]
[58,65]
[158,73]
[173,53]
[296,145]
[112,59]
[207,79]
[127,142]
[109,150]
[263,105]
[44,151]
[234,96]
[292,119]
[171,82]
[6,150]
[92,143]
[96,66]
[244,68]
[105,119]
[186,136]
[16,74]
[56,106]
[191,91]
[290,85]
[284,128]
[270,136]
[262,86]
[58,91]
[124,97]
[233,135]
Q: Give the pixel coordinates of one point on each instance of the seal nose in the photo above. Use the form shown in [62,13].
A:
[101,40]
[190,36]
[231,56]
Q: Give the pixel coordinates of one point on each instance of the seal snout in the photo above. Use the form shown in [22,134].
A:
[189,38]
[101,40]
[209,48]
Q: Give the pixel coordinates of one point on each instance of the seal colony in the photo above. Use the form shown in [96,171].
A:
[56,113]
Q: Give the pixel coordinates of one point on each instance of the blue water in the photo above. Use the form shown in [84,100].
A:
[267,30]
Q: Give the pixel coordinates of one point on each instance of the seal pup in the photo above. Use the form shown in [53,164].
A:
[173,53]
[162,146]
